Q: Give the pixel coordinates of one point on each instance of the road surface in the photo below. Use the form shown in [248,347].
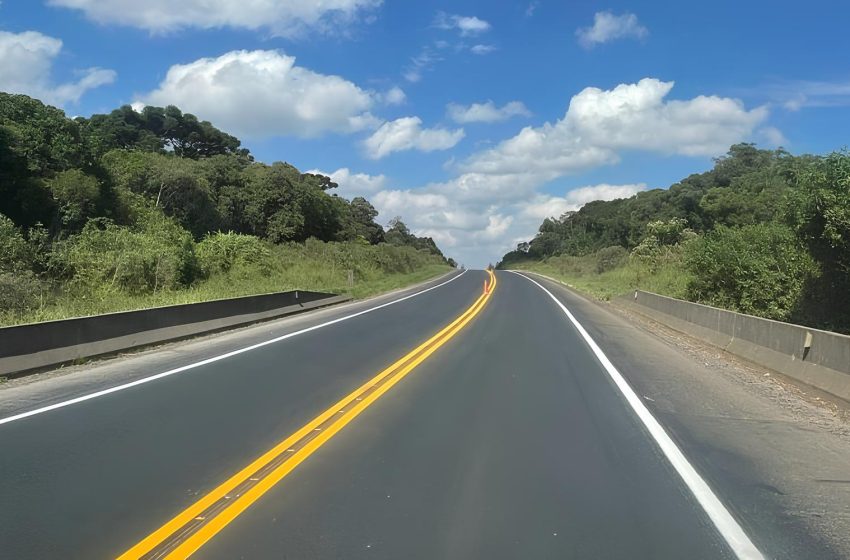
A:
[474,419]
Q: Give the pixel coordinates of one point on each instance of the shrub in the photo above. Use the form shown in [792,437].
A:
[222,252]
[758,269]
[14,250]
[19,292]
[158,255]
[610,258]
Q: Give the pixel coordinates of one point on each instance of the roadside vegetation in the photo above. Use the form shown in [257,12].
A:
[764,233]
[135,209]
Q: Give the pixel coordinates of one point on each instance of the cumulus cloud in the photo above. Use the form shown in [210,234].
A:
[486,112]
[285,18]
[600,123]
[773,137]
[407,133]
[264,93]
[548,206]
[465,25]
[354,184]
[394,96]
[26,66]
[608,27]
[470,211]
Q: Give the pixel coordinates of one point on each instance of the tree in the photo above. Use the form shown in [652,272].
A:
[77,196]
[759,269]
[174,184]
[48,141]
[819,208]
[157,129]
[362,221]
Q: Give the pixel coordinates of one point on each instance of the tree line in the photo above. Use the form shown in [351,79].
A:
[159,184]
[763,232]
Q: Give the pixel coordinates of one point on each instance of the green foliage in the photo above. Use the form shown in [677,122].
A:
[42,135]
[732,222]
[819,208]
[14,250]
[581,272]
[610,258]
[155,255]
[19,292]
[360,222]
[126,209]
[156,129]
[746,186]
[398,234]
[667,232]
[222,253]
[759,269]
[77,196]
[176,185]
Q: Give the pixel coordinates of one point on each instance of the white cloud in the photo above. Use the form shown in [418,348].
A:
[394,96]
[532,7]
[482,49]
[263,93]
[486,112]
[425,60]
[472,231]
[608,27]
[547,206]
[285,18]
[773,137]
[354,184]
[26,66]
[600,123]
[407,133]
[471,209]
[795,95]
[497,226]
[465,25]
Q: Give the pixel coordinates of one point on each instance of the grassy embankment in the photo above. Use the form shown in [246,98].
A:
[583,274]
[314,266]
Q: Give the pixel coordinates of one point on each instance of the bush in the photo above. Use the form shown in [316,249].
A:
[610,258]
[19,292]
[158,255]
[222,252]
[14,250]
[759,269]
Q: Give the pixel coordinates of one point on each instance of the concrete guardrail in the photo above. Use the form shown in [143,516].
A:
[34,346]
[815,357]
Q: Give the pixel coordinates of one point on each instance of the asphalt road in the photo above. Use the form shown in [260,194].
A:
[511,439]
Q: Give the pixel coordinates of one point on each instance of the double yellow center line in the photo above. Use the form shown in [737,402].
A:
[197,524]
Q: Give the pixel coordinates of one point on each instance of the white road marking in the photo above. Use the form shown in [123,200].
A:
[181,369]
[726,525]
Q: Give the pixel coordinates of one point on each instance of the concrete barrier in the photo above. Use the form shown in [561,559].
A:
[34,346]
[815,357]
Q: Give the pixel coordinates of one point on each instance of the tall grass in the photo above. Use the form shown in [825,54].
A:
[665,276]
[350,268]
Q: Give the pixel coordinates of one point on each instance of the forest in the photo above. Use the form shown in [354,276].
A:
[763,232]
[136,208]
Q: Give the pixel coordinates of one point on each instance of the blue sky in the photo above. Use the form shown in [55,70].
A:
[454,115]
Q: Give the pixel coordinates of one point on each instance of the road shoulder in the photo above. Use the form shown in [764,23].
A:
[776,452]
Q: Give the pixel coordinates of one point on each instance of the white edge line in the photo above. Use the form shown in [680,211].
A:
[728,527]
[170,372]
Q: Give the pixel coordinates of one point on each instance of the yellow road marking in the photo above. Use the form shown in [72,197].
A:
[400,369]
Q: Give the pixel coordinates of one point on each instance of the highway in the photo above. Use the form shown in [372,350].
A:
[475,417]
